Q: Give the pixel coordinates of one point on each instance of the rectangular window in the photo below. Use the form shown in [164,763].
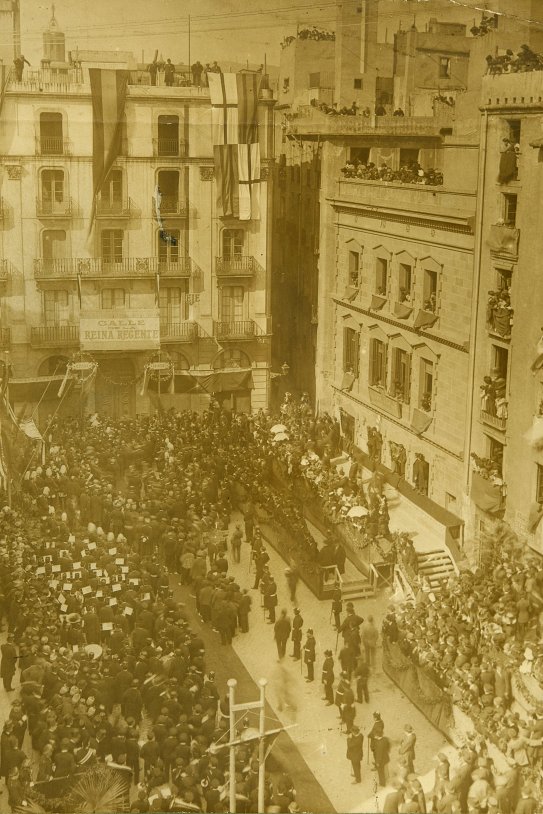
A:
[170,252]
[173,303]
[444,67]
[539,485]
[500,359]
[56,307]
[361,154]
[510,209]
[113,298]
[426,385]
[168,136]
[111,193]
[112,245]
[381,276]
[430,291]
[514,130]
[401,375]
[314,80]
[354,269]
[357,84]
[408,155]
[54,244]
[232,244]
[351,351]
[51,136]
[495,453]
[503,279]
[378,363]
[405,278]
[52,190]
[232,303]
[168,184]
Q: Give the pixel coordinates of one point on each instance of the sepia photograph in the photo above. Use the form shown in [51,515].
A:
[271,406]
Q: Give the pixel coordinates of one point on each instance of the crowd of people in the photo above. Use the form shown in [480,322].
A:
[524,60]
[476,639]
[312,33]
[411,173]
[105,651]
[499,313]
[493,392]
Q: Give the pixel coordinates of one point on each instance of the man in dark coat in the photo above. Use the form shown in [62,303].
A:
[8,662]
[355,750]
[381,756]
[309,655]
[270,599]
[328,677]
[297,624]
[282,630]
[132,702]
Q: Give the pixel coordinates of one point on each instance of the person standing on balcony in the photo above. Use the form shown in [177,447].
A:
[169,73]
[153,70]
[19,63]
[197,70]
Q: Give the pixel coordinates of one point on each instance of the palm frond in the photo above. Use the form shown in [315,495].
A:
[99,791]
[30,808]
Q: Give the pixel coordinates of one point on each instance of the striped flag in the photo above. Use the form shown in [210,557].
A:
[4,76]
[108,90]
[249,181]
[234,100]
[226,170]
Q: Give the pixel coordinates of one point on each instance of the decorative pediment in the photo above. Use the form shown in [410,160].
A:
[382,251]
[399,341]
[424,350]
[405,257]
[430,264]
[376,332]
[353,245]
[348,321]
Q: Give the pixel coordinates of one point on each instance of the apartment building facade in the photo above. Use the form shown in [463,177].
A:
[200,297]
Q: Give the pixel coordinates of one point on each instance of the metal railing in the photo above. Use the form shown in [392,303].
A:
[52,145]
[493,420]
[235,266]
[178,331]
[99,267]
[173,205]
[385,402]
[235,329]
[47,335]
[106,207]
[169,148]
[311,120]
[53,209]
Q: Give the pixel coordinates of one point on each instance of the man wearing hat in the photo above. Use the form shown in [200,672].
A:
[309,654]
[282,630]
[297,624]
[407,748]
[8,662]
[355,750]
[328,677]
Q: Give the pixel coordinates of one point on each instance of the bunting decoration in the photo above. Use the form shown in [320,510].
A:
[108,90]
[234,108]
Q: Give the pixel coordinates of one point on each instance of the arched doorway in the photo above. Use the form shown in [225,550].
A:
[233,397]
[115,393]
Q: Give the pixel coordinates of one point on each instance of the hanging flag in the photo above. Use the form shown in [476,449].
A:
[249,181]
[79,288]
[234,112]
[226,170]
[157,289]
[4,76]
[108,90]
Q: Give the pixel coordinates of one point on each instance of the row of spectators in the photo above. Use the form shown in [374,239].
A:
[525,60]
[411,173]
[312,33]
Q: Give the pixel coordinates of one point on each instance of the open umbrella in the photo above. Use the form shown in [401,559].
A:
[357,511]
[279,428]
[281,436]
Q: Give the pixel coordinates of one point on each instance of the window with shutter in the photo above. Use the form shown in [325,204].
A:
[351,351]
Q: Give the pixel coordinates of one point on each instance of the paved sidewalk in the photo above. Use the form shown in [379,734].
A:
[317,734]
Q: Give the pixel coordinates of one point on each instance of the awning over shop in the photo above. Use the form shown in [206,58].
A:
[221,381]
[34,388]
[485,494]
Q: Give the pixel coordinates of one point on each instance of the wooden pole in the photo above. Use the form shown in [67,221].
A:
[261,747]
[189,44]
[232,683]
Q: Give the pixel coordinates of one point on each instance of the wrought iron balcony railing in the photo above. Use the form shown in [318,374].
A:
[45,336]
[235,266]
[234,329]
[171,331]
[53,209]
[93,267]
[169,148]
[108,208]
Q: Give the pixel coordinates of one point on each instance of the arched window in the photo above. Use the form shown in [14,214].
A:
[53,366]
[180,362]
[231,358]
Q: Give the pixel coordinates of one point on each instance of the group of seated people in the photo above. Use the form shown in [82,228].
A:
[525,60]
[334,110]
[411,173]
[477,639]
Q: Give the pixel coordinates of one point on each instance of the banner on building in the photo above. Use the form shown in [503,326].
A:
[108,90]
[234,109]
[137,330]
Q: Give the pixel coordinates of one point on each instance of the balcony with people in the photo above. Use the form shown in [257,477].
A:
[410,173]
[499,313]
[493,393]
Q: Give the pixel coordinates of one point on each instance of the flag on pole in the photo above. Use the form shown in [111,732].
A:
[4,76]
[108,91]
[249,181]
[226,170]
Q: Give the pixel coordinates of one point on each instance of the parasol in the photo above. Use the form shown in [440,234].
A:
[95,650]
[357,511]
[279,428]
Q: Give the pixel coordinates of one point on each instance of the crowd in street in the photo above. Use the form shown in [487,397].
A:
[103,649]
[475,639]
[408,174]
